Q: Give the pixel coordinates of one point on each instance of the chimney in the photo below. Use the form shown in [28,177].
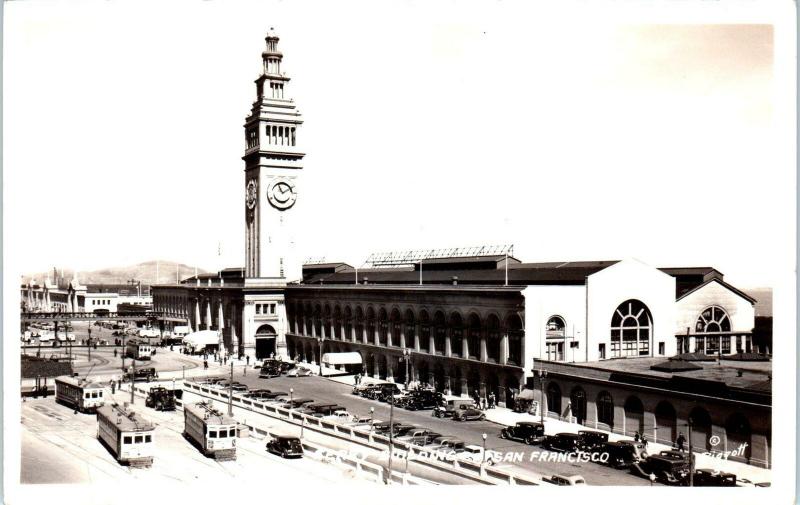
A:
[455,280]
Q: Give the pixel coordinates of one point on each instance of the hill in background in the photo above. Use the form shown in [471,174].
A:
[145,273]
[763,298]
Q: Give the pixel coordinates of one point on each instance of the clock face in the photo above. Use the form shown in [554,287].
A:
[251,194]
[281,193]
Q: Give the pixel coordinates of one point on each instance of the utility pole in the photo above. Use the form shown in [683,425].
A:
[133,378]
[230,393]
[691,456]
[391,435]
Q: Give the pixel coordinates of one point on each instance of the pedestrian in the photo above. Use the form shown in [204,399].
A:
[644,441]
[115,353]
[636,437]
[680,441]
[248,360]
[491,400]
[113,386]
[225,360]
[483,403]
[205,364]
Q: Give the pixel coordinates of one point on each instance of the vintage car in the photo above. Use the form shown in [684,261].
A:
[419,436]
[299,371]
[563,442]
[468,414]
[399,429]
[528,432]
[445,443]
[623,454]
[475,454]
[385,391]
[286,447]
[142,374]
[360,389]
[707,477]
[566,480]
[160,398]
[670,467]
[448,407]
[422,399]
[257,393]
[592,441]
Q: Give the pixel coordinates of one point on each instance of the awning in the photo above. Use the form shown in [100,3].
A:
[342,358]
[525,394]
[200,339]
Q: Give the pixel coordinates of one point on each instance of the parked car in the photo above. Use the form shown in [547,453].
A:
[470,414]
[295,403]
[360,389]
[528,432]
[445,444]
[422,399]
[592,441]
[341,416]
[160,398]
[475,454]
[419,436]
[447,407]
[299,372]
[623,454]
[563,442]
[566,480]
[707,477]
[286,447]
[670,467]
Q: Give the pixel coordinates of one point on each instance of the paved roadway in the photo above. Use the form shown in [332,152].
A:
[59,446]
[321,389]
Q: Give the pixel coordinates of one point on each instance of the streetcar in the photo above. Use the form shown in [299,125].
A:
[138,349]
[126,434]
[79,394]
[210,430]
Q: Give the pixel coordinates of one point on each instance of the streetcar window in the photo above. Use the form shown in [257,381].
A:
[94,394]
[87,395]
[147,439]
[126,440]
[138,439]
[233,432]
[223,434]
[212,433]
[100,394]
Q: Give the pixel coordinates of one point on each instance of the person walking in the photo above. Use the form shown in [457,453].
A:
[115,353]
[636,437]
[113,386]
[680,441]
[491,400]
[644,441]
[247,359]
[205,364]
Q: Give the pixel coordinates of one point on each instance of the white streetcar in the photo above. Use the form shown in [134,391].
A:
[138,349]
[126,434]
[210,430]
[79,394]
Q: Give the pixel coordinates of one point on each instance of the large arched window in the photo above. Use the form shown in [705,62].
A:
[424,332]
[439,334]
[410,328]
[493,340]
[516,336]
[631,328]
[713,319]
[456,335]
[474,337]
[577,403]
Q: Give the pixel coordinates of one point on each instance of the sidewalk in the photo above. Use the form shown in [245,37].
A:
[507,417]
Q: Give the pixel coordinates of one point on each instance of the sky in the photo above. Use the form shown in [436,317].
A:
[573,132]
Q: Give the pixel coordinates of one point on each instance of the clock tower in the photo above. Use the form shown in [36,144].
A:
[272,164]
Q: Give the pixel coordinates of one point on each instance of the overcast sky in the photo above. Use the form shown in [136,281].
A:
[574,134]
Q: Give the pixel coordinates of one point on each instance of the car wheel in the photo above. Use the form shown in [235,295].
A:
[529,440]
[283,454]
[483,416]
[503,434]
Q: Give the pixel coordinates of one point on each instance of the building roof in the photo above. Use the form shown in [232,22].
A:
[722,283]
[125,418]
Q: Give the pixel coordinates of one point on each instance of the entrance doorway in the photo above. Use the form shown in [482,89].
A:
[265,341]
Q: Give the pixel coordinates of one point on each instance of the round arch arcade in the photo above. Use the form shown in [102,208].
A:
[266,338]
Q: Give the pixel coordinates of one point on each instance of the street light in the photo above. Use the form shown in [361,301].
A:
[391,435]
[407,359]
[483,455]
[371,418]
[320,339]
[542,374]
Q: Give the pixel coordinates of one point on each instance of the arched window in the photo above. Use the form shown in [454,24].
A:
[410,329]
[383,327]
[456,334]
[554,398]
[394,328]
[515,338]
[370,325]
[713,319]
[493,339]
[474,337]
[348,323]
[634,415]
[439,333]
[554,334]
[605,408]
[337,323]
[577,403]
[666,423]
[631,328]
[424,332]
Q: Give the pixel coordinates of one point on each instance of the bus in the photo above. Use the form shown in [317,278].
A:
[126,434]
[210,430]
[80,394]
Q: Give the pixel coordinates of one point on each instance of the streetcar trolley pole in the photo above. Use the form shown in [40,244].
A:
[230,393]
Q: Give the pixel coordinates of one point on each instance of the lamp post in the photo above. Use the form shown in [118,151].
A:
[230,393]
[542,374]
[407,359]
[320,339]
[483,455]
[391,436]
[371,418]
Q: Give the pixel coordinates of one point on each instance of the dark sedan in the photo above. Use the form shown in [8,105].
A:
[468,415]
[286,447]
[528,432]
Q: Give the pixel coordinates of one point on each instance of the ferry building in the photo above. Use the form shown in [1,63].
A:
[462,320]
